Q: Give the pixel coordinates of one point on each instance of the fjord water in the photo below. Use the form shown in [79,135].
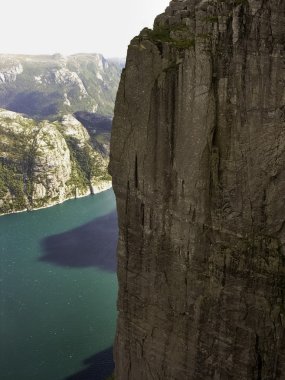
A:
[58,291]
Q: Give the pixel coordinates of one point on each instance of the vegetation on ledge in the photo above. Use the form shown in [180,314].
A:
[177,35]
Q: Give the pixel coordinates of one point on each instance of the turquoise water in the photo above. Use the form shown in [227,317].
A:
[58,290]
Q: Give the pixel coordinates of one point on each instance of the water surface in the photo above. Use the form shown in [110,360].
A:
[58,291]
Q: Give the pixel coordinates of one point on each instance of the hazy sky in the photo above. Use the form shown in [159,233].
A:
[73,26]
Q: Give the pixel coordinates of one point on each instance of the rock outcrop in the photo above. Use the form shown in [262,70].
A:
[45,163]
[198,167]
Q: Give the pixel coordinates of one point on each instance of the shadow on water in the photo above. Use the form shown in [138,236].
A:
[100,366]
[90,245]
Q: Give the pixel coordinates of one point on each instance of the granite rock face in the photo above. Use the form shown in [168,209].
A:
[198,167]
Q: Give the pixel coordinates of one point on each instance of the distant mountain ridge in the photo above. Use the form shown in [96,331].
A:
[46,155]
[49,86]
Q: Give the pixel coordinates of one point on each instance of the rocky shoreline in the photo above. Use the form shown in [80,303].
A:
[100,188]
[44,163]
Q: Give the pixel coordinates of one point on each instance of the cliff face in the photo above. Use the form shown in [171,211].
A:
[44,163]
[197,160]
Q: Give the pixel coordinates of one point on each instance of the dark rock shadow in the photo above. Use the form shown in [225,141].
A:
[100,366]
[90,245]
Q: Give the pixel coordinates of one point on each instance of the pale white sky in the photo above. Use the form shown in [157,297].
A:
[74,26]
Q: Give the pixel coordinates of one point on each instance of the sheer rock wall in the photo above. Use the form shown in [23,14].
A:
[197,160]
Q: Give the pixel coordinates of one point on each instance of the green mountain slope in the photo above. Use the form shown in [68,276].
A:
[44,87]
[44,163]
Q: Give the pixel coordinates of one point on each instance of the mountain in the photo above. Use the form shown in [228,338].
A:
[198,168]
[46,154]
[44,87]
[118,61]
[43,163]
[99,128]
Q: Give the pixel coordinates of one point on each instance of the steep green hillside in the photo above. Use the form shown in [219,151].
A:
[44,163]
[99,128]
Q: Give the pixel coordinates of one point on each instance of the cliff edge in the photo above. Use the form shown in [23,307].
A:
[198,167]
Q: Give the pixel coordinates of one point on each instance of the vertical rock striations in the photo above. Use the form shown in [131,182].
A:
[198,166]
